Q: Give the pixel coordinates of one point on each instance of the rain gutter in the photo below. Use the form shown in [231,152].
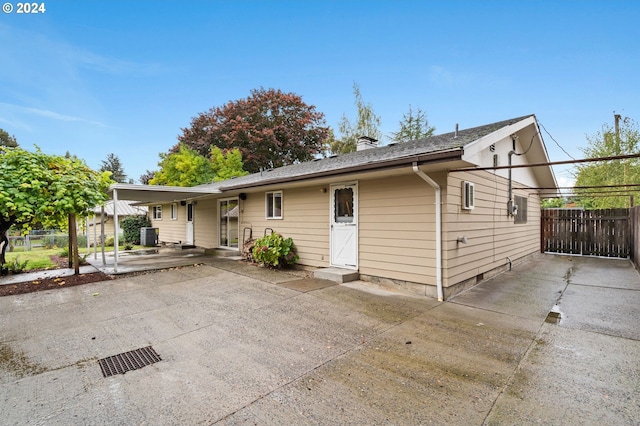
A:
[442,156]
[438,203]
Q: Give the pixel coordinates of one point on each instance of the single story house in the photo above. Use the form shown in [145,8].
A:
[433,216]
[94,223]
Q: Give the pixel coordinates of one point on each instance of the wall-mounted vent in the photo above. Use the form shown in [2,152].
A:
[468,195]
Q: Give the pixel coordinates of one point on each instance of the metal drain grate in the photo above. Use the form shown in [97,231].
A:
[128,361]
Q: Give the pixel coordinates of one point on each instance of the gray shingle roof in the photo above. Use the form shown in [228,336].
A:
[125,208]
[370,157]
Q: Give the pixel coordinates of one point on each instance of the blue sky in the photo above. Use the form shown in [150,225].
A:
[99,77]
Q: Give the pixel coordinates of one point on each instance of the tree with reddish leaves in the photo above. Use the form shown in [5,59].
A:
[270,128]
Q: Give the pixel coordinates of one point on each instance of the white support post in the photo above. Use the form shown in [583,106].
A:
[104,260]
[95,238]
[115,230]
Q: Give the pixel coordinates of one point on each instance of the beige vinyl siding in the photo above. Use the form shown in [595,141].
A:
[108,227]
[205,223]
[396,229]
[491,234]
[305,218]
[170,231]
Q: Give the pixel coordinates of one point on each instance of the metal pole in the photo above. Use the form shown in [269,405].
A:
[115,230]
[95,238]
[104,260]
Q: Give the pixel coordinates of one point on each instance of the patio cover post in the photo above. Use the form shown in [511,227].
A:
[115,230]
[95,237]
[104,260]
[86,227]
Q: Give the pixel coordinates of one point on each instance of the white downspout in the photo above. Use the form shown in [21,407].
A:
[438,190]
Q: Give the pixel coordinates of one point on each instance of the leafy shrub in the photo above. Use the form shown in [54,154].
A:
[128,246]
[82,257]
[55,241]
[131,228]
[110,241]
[275,250]
[15,266]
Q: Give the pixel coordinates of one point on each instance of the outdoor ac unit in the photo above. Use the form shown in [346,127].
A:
[149,237]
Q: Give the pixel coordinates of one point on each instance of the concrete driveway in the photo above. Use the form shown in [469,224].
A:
[244,345]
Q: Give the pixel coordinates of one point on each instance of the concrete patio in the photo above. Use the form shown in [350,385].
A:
[247,345]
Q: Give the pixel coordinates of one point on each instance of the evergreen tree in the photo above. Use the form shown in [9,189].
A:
[7,140]
[112,164]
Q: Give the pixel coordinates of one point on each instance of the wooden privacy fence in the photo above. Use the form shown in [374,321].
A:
[603,232]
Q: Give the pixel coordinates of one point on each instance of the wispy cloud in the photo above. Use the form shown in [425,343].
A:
[441,76]
[50,114]
[68,57]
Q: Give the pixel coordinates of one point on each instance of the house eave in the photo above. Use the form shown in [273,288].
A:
[158,193]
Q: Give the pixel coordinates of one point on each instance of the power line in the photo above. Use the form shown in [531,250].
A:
[553,163]
[584,187]
[552,138]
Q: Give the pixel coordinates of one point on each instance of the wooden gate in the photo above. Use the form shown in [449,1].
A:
[586,232]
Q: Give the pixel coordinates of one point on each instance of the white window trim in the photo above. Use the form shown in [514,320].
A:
[468,195]
[156,212]
[266,206]
[174,211]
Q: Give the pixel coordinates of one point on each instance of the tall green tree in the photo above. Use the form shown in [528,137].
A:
[226,166]
[610,142]
[39,188]
[7,140]
[183,168]
[188,168]
[270,128]
[112,164]
[367,123]
[414,125]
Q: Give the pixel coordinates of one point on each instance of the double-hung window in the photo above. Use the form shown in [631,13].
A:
[273,208]
[174,211]
[157,212]
[468,195]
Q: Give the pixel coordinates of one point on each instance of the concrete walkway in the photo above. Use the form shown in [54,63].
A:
[245,345]
[128,261]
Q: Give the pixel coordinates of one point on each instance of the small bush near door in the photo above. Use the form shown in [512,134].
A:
[274,250]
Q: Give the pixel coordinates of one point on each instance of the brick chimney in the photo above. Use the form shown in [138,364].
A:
[365,142]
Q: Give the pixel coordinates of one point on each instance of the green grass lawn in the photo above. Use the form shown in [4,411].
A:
[39,258]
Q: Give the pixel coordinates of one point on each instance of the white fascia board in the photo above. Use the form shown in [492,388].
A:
[472,151]
[150,193]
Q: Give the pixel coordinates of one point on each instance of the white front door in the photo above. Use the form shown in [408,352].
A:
[344,225]
[189,240]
